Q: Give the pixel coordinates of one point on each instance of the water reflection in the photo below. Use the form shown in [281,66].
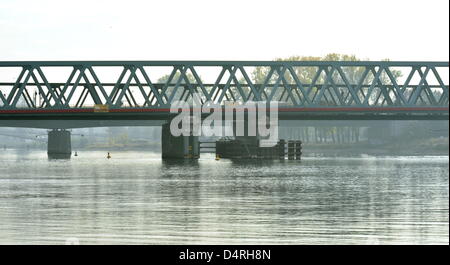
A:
[137,198]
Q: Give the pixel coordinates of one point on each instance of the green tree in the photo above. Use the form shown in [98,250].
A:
[163,79]
[307,74]
[181,93]
[353,75]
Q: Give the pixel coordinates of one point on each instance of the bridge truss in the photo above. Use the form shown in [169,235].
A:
[420,89]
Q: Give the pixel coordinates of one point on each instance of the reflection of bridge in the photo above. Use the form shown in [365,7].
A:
[63,94]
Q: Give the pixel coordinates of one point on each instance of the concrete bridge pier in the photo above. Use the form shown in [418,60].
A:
[178,147]
[248,143]
[59,144]
[254,139]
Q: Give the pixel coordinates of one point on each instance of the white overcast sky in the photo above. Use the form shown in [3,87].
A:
[222,30]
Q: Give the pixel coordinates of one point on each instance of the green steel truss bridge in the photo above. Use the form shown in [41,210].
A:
[144,90]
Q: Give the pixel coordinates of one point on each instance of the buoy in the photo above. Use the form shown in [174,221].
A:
[76,154]
[217,157]
[108,156]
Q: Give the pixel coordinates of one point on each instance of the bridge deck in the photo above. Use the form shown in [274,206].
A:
[335,113]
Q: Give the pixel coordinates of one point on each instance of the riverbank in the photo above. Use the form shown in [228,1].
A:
[408,147]
[150,146]
[433,146]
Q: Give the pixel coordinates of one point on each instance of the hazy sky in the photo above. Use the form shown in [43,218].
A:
[223,30]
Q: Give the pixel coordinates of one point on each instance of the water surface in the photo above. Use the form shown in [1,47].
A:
[135,198]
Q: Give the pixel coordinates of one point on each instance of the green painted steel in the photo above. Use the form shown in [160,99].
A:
[311,88]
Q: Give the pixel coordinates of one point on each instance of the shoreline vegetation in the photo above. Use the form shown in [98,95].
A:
[400,146]
[432,146]
[152,146]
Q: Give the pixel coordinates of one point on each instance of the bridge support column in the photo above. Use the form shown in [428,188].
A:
[178,147]
[59,144]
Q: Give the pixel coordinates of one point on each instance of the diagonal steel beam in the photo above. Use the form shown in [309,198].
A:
[153,89]
[16,86]
[232,71]
[418,89]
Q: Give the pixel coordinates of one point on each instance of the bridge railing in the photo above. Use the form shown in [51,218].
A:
[156,84]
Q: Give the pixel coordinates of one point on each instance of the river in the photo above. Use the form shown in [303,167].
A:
[136,198]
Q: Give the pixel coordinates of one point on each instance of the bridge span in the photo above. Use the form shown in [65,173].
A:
[75,94]
[143,90]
